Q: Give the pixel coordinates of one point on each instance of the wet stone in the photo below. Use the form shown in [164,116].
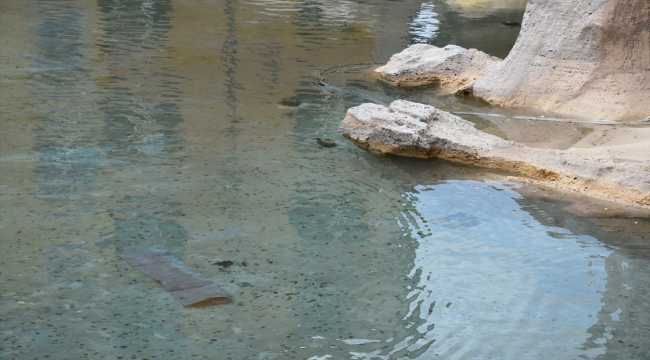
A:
[325,143]
[292,102]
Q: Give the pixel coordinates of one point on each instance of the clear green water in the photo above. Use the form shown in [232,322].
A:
[128,125]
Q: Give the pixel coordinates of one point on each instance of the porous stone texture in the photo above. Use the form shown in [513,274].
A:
[417,130]
[588,58]
[451,66]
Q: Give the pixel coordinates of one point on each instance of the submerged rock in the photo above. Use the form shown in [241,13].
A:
[292,102]
[417,130]
[325,143]
[421,64]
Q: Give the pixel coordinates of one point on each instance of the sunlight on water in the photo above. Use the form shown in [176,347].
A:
[424,27]
[493,282]
[335,11]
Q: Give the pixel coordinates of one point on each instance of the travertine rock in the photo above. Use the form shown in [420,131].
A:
[416,130]
[589,58]
[421,64]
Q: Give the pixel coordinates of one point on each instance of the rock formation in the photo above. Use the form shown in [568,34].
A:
[589,58]
[584,58]
[452,66]
[417,130]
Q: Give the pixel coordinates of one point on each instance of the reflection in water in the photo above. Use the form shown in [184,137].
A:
[478,24]
[330,11]
[493,282]
[156,123]
[482,8]
[68,160]
[230,60]
[138,105]
[424,26]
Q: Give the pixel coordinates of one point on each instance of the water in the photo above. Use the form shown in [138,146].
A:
[128,125]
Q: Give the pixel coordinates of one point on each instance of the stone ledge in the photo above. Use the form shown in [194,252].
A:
[453,67]
[416,130]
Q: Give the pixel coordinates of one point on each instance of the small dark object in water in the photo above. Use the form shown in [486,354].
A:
[293,102]
[510,23]
[243,284]
[325,143]
[187,286]
[225,263]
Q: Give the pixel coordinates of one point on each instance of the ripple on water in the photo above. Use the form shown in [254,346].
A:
[158,124]
[493,282]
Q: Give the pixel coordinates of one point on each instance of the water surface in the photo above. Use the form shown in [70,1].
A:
[128,125]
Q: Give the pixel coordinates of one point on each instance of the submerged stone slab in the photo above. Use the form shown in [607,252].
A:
[451,66]
[416,130]
[186,285]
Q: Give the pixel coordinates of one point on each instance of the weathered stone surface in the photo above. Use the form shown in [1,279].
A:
[421,64]
[416,130]
[589,58]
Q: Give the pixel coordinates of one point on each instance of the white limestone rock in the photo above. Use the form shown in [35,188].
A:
[586,58]
[421,64]
[416,130]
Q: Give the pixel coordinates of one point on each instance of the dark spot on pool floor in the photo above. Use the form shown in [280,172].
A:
[510,23]
[325,143]
[293,102]
[225,263]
